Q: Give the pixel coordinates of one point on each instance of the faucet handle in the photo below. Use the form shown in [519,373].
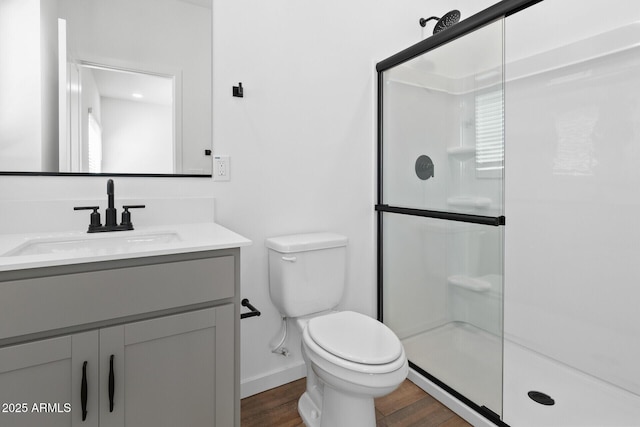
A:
[95,215]
[126,215]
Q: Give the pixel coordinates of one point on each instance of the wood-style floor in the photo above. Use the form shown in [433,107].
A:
[408,406]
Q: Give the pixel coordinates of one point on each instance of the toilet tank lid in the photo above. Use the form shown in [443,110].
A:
[306,242]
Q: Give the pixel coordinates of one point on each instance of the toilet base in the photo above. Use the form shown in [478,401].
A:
[338,410]
[308,411]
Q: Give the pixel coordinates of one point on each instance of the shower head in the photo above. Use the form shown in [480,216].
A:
[449,19]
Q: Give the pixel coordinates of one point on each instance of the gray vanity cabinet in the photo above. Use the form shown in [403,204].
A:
[166,371]
[170,370]
[41,382]
[155,339]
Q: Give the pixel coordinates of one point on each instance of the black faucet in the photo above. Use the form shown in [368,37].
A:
[111,213]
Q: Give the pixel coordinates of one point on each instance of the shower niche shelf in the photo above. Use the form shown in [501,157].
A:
[461,153]
[474,284]
[469,202]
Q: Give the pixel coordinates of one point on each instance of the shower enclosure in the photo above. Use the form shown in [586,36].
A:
[505,164]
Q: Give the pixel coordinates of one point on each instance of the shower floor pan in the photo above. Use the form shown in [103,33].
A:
[469,360]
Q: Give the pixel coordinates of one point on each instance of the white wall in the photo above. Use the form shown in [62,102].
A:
[573,146]
[302,140]
[28,105]
[49,84]
[136,136]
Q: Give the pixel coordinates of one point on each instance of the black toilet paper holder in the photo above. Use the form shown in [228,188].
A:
[254,311]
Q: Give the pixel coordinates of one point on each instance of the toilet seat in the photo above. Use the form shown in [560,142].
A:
[390,358]
[355,337]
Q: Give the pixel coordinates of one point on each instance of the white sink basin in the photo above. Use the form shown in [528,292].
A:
[94,244]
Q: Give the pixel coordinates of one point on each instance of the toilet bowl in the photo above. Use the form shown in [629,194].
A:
[355,359]
[350,358]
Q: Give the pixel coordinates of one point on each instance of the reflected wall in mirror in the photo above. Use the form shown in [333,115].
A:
[105,86]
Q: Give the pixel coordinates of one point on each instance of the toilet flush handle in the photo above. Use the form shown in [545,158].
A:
[289,258]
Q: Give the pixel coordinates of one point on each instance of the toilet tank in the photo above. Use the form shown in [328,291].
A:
[306,272]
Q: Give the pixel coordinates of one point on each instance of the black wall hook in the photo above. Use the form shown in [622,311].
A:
[238,91]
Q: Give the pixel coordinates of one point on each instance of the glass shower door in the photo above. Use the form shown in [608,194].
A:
[441,212]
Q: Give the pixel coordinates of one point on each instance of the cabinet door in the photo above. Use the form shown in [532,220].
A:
[41,382]
[165,371]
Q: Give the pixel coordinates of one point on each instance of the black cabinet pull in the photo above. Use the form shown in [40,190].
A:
[112,383]
[83,391]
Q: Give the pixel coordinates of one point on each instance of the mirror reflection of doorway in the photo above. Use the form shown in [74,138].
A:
[130,113]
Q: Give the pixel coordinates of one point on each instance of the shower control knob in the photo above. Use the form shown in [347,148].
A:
[424,167]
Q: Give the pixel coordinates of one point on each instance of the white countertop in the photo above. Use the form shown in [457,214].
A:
[190,238]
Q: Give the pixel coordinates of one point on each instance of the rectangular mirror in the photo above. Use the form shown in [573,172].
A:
[105,87]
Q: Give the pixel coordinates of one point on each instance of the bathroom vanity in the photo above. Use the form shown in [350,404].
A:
[126,330]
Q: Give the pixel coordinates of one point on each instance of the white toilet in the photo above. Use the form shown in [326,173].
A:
[351,358]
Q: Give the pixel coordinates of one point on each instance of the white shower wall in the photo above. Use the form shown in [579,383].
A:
[572,179]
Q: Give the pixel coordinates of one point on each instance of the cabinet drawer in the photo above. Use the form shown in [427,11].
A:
[35,305]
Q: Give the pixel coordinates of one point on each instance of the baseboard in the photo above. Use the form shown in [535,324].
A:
[258,384]
[469,415]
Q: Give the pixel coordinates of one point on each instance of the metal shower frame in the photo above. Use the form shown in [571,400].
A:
[500,10]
